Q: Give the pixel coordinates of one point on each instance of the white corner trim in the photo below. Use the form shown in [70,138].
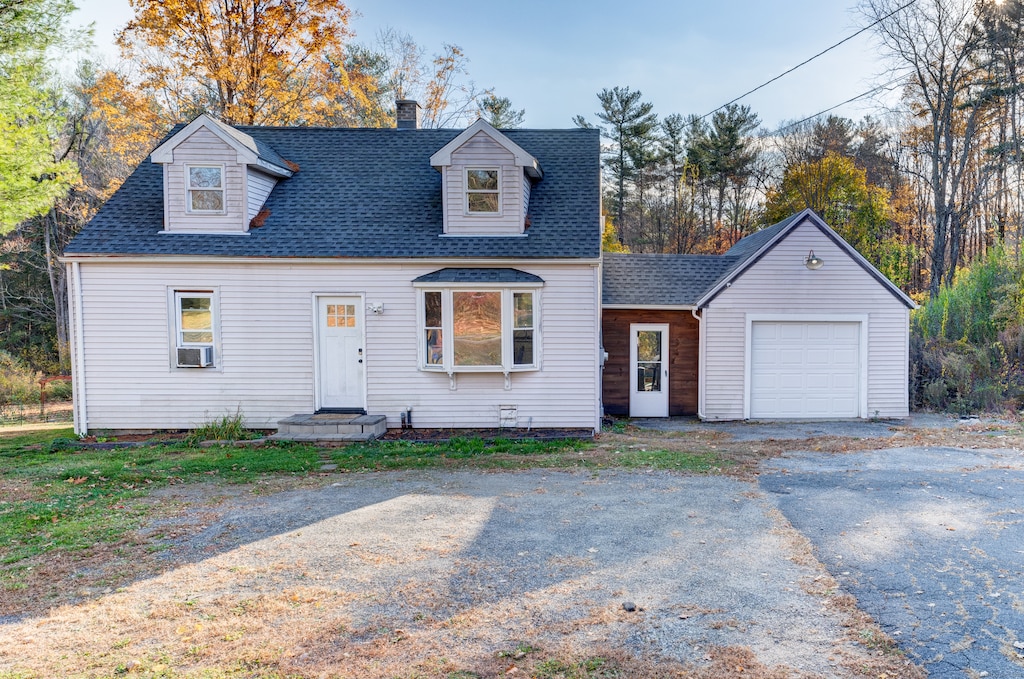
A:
[80,402]
[699,315]
[861,319]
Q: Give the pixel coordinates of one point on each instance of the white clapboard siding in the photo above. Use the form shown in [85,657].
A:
[483,152]
[260,186]
[205,148]
[265,365]
[779,283]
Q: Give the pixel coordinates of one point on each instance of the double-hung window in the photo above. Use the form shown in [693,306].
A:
[205,187]
[195,322]
[482,191]
[479,329]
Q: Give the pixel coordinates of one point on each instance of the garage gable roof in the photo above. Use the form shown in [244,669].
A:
[747,251]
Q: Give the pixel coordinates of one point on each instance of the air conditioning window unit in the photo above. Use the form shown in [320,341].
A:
[195,357]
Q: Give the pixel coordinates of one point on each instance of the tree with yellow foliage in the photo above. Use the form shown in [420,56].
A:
[838,190]
[249,62]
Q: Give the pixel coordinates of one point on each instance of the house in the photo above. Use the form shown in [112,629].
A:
[791,322]
[438,278]
[315,280]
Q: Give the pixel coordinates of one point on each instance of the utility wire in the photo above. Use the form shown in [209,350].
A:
[848,101]
[807,61]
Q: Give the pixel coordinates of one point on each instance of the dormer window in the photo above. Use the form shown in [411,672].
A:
[205,186]
[482,192]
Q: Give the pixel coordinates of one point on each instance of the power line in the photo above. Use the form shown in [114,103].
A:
[848,101]
[807,61]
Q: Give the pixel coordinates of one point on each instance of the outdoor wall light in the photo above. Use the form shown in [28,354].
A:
[813,261]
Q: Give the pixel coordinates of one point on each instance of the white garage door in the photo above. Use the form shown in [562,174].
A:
[804,370]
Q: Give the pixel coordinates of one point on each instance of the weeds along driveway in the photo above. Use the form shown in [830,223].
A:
[930,540]
[437,573]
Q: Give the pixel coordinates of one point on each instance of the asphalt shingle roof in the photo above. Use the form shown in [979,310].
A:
[478,275]
[677,280]
[367,193]
[659,280]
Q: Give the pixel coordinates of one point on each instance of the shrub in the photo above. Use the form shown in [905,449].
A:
[19,384]
[967,344]
[59,390]
[225,428]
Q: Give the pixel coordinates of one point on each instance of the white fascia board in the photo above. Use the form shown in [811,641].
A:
[273,170]
[407,261]
[243,144]
[443,157]
[479,285]
[649,307]
[808,214]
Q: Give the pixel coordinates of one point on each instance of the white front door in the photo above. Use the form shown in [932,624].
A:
[648,376]
[340,352]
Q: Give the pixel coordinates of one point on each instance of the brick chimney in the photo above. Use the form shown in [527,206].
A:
[407,114]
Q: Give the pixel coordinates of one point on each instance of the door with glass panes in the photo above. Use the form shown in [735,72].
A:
[340,353]
[648,377]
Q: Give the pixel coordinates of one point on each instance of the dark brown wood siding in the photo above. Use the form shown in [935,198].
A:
[683,347]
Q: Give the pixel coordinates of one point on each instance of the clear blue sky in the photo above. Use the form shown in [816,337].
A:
[551,57]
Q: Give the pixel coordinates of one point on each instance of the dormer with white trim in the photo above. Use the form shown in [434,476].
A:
[485,183]
[216,178]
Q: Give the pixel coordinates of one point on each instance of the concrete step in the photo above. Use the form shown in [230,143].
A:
[330,427]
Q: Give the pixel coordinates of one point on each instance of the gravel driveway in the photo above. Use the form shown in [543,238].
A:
[703,560]
[465,565]
[929,540]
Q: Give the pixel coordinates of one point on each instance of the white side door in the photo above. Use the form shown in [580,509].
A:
[648,375]
[340,354]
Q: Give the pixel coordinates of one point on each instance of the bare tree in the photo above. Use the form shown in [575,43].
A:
[938,42]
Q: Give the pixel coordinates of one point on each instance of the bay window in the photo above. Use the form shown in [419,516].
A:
[478,329]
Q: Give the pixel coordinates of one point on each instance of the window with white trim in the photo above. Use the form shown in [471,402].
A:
[470,329]
[483,195]
[195,322]
[205,187]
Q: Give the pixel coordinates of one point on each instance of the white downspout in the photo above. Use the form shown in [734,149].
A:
[701,354]
[78,355]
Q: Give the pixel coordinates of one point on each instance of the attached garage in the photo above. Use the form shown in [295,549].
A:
[805,369]
[790,323]
[801,326]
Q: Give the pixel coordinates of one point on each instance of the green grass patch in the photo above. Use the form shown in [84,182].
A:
[695,463]
[226,428]
[461,452]
[58,495]
[69,498]
[589,668]
[17,438]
